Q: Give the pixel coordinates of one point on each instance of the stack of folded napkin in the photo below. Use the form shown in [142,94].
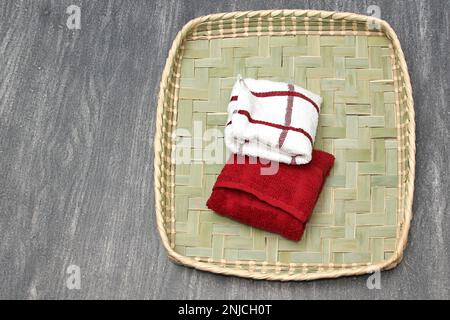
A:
[274,178]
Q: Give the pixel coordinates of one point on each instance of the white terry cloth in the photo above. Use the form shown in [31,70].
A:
[272,120]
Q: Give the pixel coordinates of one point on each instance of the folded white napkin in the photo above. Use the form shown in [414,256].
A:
[272,120]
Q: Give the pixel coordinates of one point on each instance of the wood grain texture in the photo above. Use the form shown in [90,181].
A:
[76,161]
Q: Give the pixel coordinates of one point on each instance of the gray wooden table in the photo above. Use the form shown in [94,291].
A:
[77,112]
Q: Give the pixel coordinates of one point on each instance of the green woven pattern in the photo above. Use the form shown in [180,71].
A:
[355,220]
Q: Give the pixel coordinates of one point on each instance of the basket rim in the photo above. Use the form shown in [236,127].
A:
[349,269]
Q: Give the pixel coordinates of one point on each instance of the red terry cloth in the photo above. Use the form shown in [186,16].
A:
[281,203]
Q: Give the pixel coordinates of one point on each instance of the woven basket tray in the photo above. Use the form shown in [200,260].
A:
[361,221]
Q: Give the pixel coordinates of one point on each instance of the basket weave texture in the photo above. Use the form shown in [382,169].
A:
[361,221]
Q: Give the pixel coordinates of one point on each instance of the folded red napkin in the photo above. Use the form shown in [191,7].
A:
[281,203]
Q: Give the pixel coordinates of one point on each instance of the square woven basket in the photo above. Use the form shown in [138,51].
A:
[355,62]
